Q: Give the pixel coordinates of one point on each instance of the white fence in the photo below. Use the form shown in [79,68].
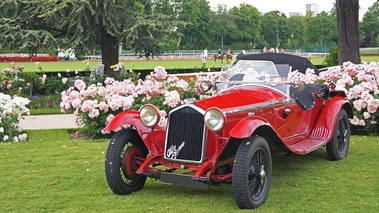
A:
[193,56]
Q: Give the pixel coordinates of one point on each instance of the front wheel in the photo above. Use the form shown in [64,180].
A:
[338,146]
[126,152]
[252,173]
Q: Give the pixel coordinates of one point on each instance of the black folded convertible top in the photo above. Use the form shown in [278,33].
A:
[296,62]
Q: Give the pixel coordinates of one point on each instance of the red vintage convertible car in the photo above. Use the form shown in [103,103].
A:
[229,137]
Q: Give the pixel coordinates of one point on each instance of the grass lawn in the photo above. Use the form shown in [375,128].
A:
[52,173]
[63,66]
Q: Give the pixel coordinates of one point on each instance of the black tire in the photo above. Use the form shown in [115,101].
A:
[252,173]
[338,146]
[126,152]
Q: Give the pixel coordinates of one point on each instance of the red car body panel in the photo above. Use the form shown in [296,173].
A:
[299,125]
[249,109]
[203,138]
[153,137]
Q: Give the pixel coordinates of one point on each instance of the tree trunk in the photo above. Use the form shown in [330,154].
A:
[348,31]
[109,51]
[179,41]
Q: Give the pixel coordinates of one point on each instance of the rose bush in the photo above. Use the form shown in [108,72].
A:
[11,81]
[96,104]
[360,82]
[11,111]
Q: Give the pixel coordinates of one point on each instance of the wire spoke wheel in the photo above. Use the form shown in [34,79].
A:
[257,175]
[126,152]
[252,173]
[130,161]
[338,146]
[341,136]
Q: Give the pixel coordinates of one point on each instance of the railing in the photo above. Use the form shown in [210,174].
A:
[193,56]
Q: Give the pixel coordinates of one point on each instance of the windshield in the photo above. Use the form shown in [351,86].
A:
[249,71]
[251,68]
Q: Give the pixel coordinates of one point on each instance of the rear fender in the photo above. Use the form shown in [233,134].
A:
[153,138]
[247,126]
[325,125]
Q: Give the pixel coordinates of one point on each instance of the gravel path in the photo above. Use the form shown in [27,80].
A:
[60,121]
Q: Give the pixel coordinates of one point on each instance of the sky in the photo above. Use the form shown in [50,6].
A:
[286,6]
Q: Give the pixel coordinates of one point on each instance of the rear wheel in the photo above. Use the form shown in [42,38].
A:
[126,152]
[338,146]
[252,173]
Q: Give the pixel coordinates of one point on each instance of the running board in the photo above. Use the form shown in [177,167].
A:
[182,180]
[306,146]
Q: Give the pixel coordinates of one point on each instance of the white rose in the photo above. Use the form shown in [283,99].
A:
[64,80]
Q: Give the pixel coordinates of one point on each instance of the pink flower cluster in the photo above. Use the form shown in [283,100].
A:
[359,81]
[104,100]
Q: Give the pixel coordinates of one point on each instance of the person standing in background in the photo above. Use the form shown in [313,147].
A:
[205,56]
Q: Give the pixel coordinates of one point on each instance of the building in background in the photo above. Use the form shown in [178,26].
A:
[312,7]
[294,14]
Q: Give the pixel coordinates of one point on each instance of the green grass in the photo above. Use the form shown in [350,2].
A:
[320,60]
[45,111]
[63,66]
[52,173]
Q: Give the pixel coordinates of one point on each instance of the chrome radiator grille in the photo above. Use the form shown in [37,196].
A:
[185,135]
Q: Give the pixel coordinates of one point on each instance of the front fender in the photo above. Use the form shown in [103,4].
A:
[153,138]
[125,118]
[325,125]
[247,126]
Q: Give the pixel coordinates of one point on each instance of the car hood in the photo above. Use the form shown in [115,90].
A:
[240,96]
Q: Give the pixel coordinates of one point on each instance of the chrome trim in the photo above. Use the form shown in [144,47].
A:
[260,106]
[204,141]
[188,105]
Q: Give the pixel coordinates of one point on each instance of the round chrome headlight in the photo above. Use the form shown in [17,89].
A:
[214,119]
[149,115]
[205,86]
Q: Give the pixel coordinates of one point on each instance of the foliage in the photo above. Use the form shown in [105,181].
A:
[332,58]
[19,27]
[322,29]
[296,35]
[96,104]
[45,102]
[274,29]
[360,83]
[370,24]
[11,81]
[167,25]
[198,14]
[89,24]
[11,111]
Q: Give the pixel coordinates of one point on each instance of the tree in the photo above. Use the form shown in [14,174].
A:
[296,28]
[221,17]
[275,28]
[13,17]
[370,24]
[248,23]
[348,31]
[321,29]
[84,23]
[198,15]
